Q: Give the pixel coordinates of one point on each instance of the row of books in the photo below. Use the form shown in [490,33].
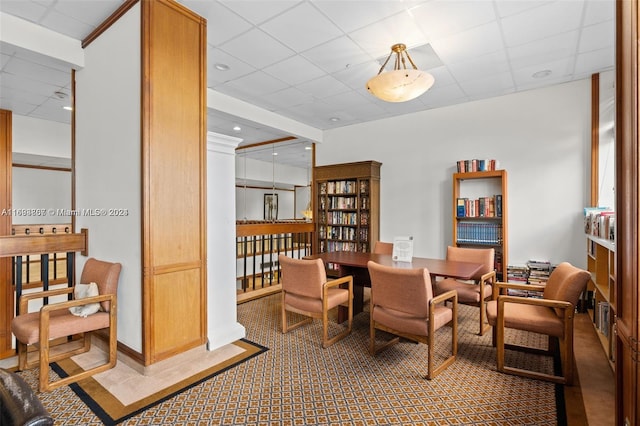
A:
[481,207]
[476,165]
[600,222]
[344,187]
[343,218]
[482,233]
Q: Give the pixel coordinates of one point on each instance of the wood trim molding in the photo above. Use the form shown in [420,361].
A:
[31,166]
[6,288]
[124,7]
[595,138]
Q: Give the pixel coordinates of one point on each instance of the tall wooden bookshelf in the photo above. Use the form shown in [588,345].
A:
[601,263]
[347,206]
[480,213]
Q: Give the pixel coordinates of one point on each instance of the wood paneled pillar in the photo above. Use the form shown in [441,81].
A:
[6,289]
[173,179]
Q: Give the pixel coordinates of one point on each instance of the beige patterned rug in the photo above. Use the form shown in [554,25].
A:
[296,382]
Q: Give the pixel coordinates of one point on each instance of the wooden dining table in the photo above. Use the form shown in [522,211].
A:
[355,264]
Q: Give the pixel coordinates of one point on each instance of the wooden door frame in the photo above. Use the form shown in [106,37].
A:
[6,287]
[627,196]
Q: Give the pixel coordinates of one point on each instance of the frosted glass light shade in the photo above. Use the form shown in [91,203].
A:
[400,85]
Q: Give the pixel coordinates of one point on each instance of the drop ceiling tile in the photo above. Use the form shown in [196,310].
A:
[595,61]
[469,44]
[289,97]
[27,98]
[599,11]
[294,70]
[442,77]
[302,28]
[540,51]
[258,84]
[509,7]
[323,87]
[596,37]
[442,95]
[337,54]
[481,67]
[376,39]
[259,11]
[222,23]
[353,15]
[560,70]
[27,10]
[439,19]
[87,12]
[542,22]
[237,68]
[37,72]
[257,48]
[357,76]
[66,25]
[495,84]
[346,101]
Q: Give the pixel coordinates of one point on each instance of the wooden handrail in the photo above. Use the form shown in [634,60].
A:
[264,228]
[21,245]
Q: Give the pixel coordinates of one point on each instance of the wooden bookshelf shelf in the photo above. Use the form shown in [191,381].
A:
[480,213]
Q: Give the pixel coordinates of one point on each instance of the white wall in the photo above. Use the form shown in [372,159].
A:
[108,161]
[42,190]
[541,137]
[40,137]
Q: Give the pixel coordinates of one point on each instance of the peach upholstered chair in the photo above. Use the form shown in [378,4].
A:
[552,315]
[306,291]
[55,321]
[402,304]
[477,291]
[381,247]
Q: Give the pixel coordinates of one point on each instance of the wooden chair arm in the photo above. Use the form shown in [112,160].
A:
[560,304]
[499,286]
[451,294]
[77,302]
[25,298]
[342,280]
[484,278]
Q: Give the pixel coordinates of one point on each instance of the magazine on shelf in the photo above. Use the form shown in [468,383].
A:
[403,249]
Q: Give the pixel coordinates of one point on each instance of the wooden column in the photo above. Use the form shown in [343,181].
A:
[173,179]
[6,289]
[627,197]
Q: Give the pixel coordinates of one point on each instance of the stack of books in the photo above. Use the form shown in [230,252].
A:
[476,165]
[517,274]
[600,222]
[539,271]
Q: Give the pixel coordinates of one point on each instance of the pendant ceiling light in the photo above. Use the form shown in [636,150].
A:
[401,84]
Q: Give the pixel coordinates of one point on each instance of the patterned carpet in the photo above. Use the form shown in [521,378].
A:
[297,382]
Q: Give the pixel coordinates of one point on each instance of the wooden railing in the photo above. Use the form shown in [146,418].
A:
[22,246]
[258,244]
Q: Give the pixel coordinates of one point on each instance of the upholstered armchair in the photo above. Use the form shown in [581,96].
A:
[552,316]
[402,303]
[55,321]
[381,247]
[306,291]
[477,291]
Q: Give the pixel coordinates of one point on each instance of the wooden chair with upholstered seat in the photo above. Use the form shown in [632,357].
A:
[552,316]
[306,291]
[382,247]
[477,291]
[402,303]
[55,321]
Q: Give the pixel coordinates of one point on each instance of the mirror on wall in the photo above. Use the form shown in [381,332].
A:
[606,140]
[273,181]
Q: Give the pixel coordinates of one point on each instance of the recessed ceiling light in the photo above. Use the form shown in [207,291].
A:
[68,108]
[221,67]
[334,119]
[237,128]
[541,74]
[275,153]
[307,148]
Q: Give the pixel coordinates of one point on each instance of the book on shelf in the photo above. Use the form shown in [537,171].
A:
[600,222]
[402,249]
[477,165]
[480,207]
